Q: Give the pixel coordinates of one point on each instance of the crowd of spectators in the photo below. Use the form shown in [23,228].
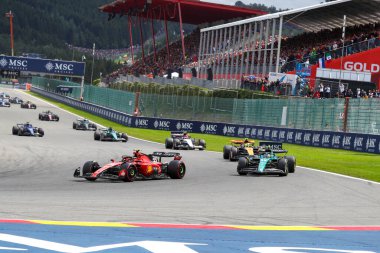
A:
[163,61]
[309,47]
[305,48]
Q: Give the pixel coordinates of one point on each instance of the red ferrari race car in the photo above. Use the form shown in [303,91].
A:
[138,166]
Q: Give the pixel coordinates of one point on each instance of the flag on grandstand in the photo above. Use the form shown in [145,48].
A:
[321,63]
[328,57]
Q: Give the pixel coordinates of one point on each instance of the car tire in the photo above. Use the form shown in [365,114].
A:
[97,135]
[233,154]
[41,132]
[176,143]
[130,172]
[74,125]
[176,169]
[202,143]
[283,166]
[226,151]
[124,136]
[90,167]
[57,118]
[169,143]
[19,132]
[291,163]
[242,163]
[14,130]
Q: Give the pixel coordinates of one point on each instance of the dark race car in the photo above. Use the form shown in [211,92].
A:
[27,129]
[16,100]
[4,102]
[181,140]
[108,134]
[239,148]
[84,124]
[48,116]
[28,105]
[138,166]
[267,161]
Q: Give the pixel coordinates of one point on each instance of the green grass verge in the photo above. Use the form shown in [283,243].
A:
[355,164]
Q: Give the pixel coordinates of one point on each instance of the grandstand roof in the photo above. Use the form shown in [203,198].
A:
[193,11]
[323,16]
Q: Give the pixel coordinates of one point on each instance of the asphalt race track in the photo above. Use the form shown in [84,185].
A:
[36,183]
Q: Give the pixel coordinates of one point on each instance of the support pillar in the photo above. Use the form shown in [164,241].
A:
[130,36]
[167,37]
[279,45]
[141,40]
[153,38]
[180,27]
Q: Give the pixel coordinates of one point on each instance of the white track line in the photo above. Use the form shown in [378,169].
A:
[306,168]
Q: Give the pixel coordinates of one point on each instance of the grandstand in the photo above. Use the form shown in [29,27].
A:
[253,47]
[180,11]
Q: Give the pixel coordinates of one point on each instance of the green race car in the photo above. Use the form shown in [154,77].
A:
[108,134]
[267,161]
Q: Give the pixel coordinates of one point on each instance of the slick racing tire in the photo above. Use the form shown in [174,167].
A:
[176,169]
[169,143]
[93,126]
[233,154]
[74,125]
[41,132]
[90,167]
[40,117]
[283,165]
[125,137]
[97,136]
[202,143]
[176,143]
[242,163]
[291,163]
[226,151]
[15,130]
[128,172]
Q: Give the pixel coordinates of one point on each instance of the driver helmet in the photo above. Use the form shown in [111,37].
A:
[110,129]
[246,140]
[136,152]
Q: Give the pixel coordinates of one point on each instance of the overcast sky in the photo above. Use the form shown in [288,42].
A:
[282,4]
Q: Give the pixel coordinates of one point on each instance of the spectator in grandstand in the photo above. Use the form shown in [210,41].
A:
[321,90]
[327,91]
[341,89]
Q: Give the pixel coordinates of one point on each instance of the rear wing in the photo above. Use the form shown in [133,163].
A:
[165,154]
[176,133]
[275,147]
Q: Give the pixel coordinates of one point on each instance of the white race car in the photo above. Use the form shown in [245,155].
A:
[181,140]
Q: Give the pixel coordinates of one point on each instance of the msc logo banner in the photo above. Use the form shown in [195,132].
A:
[37,65]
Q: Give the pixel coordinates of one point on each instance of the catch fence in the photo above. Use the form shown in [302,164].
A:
[355,115]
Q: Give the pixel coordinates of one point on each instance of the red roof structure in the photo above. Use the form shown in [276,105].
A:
[193,11]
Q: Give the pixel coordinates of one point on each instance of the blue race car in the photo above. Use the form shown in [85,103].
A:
[266,161]
[4,102]
[27,130]
[108,134]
